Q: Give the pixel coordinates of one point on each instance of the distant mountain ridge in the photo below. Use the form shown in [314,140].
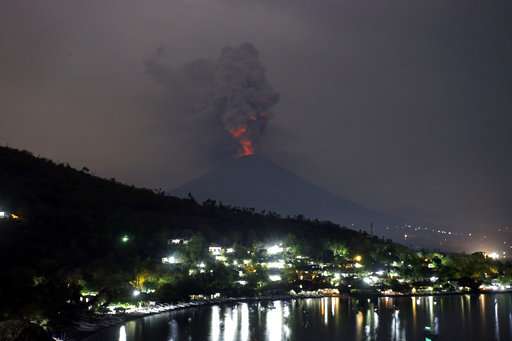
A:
[258,183]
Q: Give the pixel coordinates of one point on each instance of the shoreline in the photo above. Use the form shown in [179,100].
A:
[449,293]
[84,329]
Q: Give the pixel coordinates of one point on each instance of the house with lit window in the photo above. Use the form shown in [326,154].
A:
[7,215]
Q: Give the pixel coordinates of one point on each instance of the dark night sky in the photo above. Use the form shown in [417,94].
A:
[403,106]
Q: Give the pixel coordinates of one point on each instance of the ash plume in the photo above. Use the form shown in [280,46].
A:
[233,89]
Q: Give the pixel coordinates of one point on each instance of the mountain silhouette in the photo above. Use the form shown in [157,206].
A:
[258,183]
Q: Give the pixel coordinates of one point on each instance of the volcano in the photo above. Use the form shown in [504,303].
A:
[256,182]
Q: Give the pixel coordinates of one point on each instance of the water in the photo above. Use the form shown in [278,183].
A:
[454,318]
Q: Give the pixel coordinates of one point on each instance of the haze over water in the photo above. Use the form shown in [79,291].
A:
[463,317]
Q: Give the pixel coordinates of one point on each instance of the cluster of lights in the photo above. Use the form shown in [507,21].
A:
[220,254]
[370,280]
[275,265]
[178,241]
[493,255]
[274,249]
[275,262]
[171,260]
[215,250]
[221,258]
[274,278]
[7,215]
[495,287]
[429,229]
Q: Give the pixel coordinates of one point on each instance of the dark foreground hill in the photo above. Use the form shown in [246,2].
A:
[59,202]
[62,203]
[71,226]
[257,182]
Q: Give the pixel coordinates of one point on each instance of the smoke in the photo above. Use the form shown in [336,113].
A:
[234,89]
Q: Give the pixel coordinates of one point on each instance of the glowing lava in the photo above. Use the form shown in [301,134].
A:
[246,145]
[237,133]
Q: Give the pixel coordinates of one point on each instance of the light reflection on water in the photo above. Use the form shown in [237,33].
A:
[401,319]
[215,324]
[496,320]
[245,322]
[173,334]
[122,333]
[274,319]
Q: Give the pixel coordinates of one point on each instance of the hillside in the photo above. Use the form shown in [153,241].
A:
[60,199]
[71,224]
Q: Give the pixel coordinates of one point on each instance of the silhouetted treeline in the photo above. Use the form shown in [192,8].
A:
[71,223]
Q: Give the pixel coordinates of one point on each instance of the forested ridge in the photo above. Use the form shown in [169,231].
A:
[71,223]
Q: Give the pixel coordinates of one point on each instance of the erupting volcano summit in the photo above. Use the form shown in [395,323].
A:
[233,88]
[243,96]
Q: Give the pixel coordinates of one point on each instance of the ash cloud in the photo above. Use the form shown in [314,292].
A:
[233,89]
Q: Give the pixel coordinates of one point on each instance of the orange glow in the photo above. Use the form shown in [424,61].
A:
[246,145]
[238,132]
